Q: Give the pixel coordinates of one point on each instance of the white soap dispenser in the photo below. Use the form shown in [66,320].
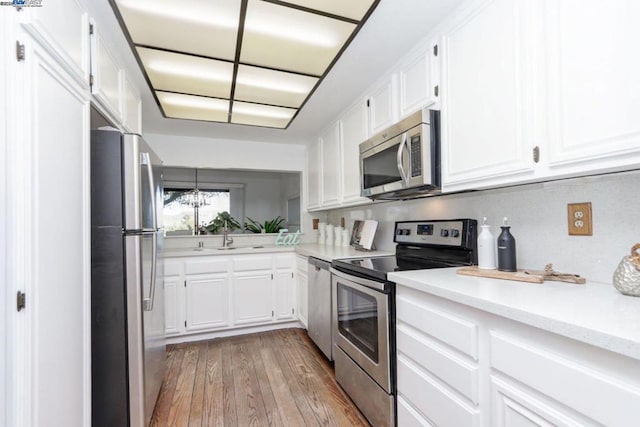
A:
[486,247]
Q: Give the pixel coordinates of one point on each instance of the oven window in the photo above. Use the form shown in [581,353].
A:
[381,168]
[358,320]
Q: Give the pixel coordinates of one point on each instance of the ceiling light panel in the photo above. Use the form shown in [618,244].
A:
[175,72]
[266,86]
[288,39]
[202,27]
[261,115]
[352,9]
[193,107]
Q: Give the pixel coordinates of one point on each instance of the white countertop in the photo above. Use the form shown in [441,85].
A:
[235,250]
[594,313]
[329,253]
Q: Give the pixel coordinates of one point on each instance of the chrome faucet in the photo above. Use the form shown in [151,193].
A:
[200,244]
[226,240]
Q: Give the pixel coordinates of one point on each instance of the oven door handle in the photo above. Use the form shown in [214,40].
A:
[401,148]
[379,286]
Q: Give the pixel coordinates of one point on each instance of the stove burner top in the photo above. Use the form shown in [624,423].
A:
[378,267]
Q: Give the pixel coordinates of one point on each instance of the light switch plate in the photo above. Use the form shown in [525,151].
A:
[579,219]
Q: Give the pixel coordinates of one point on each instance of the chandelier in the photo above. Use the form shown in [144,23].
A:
[194,197]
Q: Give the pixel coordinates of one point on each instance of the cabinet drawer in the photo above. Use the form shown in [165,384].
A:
[409,417]
[250,263]
[284,261]
[457,332]
[217,265]
[565,380]
[429,396]
[172,268]
[460,375]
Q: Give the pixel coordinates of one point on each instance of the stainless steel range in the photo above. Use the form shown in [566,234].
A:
[364,308]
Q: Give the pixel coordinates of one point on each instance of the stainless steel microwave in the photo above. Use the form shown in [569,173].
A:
[403,161]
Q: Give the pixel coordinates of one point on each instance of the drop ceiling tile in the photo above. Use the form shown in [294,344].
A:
[261,115]
[201,27]
[193,107]
[288,39]
[352,9]
[175,72]
[265,86]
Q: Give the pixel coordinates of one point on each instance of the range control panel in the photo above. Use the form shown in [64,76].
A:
[444,233]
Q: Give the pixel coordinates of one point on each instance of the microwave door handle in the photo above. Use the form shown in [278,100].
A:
[401,147]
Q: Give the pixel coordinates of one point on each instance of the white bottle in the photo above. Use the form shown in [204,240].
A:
[486,247]
[337,241]
[329,239]
[322,232]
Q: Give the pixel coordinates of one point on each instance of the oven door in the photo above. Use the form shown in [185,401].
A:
[361,311]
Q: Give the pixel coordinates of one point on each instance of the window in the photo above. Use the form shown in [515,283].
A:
[182,211]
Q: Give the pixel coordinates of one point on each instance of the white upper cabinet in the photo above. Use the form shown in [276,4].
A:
[131,107]
[353,132]
[488,119]
[331,166]
[106,74]
[592,84]
[383,105]
[314,169]
[63,30]
[417,87]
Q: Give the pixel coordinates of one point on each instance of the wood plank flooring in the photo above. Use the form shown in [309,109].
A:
[275,378]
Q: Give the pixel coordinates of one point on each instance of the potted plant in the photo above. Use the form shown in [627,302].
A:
[216,224]
[272,226]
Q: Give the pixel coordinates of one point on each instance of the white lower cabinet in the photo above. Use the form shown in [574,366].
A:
[252,297]
[207,305]
[302,289]
[220,293]
[507,375]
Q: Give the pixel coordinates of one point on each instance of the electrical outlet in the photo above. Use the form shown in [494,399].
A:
[579,219]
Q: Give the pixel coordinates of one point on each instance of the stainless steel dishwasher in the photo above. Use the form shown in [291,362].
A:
[319,321]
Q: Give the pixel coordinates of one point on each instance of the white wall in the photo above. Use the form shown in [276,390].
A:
[226,154]
[538,216]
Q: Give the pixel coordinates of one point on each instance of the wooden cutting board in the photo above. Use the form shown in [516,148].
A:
[505,275]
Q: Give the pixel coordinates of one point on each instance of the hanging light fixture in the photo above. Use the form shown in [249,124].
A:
[194,197]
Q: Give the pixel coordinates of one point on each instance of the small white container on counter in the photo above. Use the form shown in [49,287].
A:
[322,226]
[329,239]
[337,240]
[346,238]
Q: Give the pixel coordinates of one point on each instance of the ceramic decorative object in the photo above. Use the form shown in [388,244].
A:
[626,279]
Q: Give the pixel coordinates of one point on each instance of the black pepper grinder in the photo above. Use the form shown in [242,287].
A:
[506,249]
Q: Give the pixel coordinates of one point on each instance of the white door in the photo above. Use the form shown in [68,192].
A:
[383,105]
[252,297]
[331,167]
[593,87]
[285,289]
[171,284]
[487,113]
[354,132]
[49,240]
[207,302]
[416,89]
[314,169]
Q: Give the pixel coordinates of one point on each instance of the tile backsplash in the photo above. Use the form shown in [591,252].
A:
[538,216]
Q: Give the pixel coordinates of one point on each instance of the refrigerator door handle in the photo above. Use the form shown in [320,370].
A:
[145,159]
[147,303]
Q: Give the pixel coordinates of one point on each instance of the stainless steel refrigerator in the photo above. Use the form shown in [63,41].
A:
[127,301]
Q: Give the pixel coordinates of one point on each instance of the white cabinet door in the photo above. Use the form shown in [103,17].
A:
[285,295]
[314,170]
[487,96]
[171,312]
[303,295]
[593,88]
[331,167]
[416,89]
[354,132]
[131,107]
[207,302]
[383,105]
[106,75]
[64,32]
[49,168]
[252,297]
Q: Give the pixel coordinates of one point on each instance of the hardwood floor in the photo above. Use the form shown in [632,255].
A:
[276,378]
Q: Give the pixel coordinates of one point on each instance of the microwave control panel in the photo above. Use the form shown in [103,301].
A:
[416,155]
